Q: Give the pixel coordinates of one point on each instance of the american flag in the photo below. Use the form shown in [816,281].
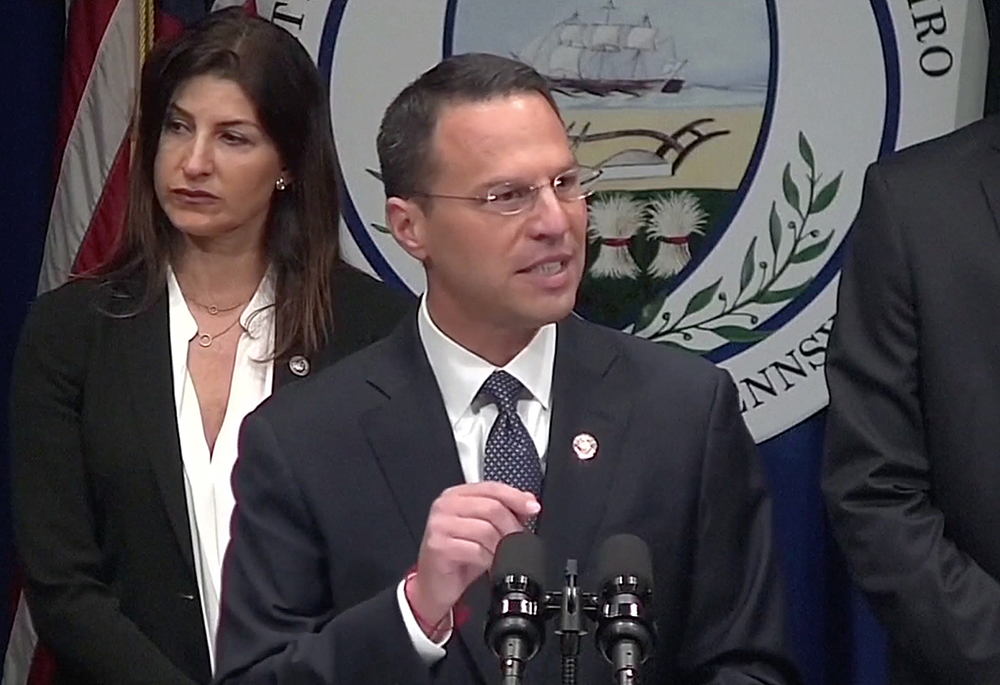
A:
[103,55]
[101,71]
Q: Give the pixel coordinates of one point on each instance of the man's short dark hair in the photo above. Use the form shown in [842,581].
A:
[405,136]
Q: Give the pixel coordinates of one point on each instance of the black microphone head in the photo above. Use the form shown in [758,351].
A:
[519,554]
[516,621]
[625,555]
[625,628]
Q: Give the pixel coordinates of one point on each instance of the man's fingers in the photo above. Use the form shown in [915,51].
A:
[524,505]
[465,548]
[465,525]
[482,532]
[483,509]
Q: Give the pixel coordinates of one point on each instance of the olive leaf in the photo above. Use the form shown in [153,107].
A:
[702,298]
[749,265]
[790,189]
[776,296]
[774,226]
[739,334]
[825,196]
[812,252]
[806,151]
[649,312]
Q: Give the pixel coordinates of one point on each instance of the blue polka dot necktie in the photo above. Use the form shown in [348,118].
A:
[511,456]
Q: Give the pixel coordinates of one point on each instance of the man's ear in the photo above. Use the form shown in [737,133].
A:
[407,223]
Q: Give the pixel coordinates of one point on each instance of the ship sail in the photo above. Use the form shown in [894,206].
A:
[641,38]
[565,62]
[607,37]
[606,54]
[572,34]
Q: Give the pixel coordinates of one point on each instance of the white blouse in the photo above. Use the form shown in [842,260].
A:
[207,484]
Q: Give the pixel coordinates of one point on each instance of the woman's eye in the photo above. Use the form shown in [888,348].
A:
[234,139]
[173,125]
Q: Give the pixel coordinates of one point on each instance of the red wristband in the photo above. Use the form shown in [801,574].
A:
[433,631]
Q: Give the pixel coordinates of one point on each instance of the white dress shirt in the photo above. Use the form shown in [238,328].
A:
[207,485]
[460,374]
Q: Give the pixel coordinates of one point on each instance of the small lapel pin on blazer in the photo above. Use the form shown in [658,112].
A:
[585,446]
[299,365]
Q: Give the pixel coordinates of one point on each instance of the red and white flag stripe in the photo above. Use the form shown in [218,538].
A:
[102,62]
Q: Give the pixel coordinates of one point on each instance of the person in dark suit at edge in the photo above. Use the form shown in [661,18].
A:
[130,384]
[911,471]
[370,501]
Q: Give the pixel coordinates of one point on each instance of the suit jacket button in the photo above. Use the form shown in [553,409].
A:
[299,365]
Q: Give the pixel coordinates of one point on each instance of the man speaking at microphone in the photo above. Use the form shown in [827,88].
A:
[371,500]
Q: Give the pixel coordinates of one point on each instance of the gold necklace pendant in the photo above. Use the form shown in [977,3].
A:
[206,339]
[213,309]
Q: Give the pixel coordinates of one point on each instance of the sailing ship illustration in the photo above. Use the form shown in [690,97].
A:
[606,56]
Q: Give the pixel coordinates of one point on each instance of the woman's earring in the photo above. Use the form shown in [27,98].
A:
[280,184]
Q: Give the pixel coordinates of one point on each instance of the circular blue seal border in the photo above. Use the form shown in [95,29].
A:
[352,218]
[890,136]
[890,131]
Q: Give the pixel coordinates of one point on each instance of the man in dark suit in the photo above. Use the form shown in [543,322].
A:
[371,501]
[912,474]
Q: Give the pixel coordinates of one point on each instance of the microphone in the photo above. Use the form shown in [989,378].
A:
[515,626]
[624,623]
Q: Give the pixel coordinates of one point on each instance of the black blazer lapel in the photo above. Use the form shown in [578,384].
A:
[991,179]
[364,311]
[145,345]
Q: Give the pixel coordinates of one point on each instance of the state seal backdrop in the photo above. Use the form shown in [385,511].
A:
[733,135]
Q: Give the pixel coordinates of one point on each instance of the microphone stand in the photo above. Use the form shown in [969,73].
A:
[572,606]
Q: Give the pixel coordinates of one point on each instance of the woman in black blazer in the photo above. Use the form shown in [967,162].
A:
[130,383]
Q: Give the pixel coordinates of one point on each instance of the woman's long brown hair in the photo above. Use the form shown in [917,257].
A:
[279,78]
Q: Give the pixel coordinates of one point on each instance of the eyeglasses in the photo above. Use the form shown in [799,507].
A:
[513,198]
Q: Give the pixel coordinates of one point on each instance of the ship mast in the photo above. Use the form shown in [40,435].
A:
[609,8]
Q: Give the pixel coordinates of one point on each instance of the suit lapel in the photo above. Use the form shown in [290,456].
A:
[410,434]
[413,442]
[146,347]
[589,396]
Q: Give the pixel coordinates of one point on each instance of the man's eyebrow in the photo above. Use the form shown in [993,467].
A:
[508,181]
